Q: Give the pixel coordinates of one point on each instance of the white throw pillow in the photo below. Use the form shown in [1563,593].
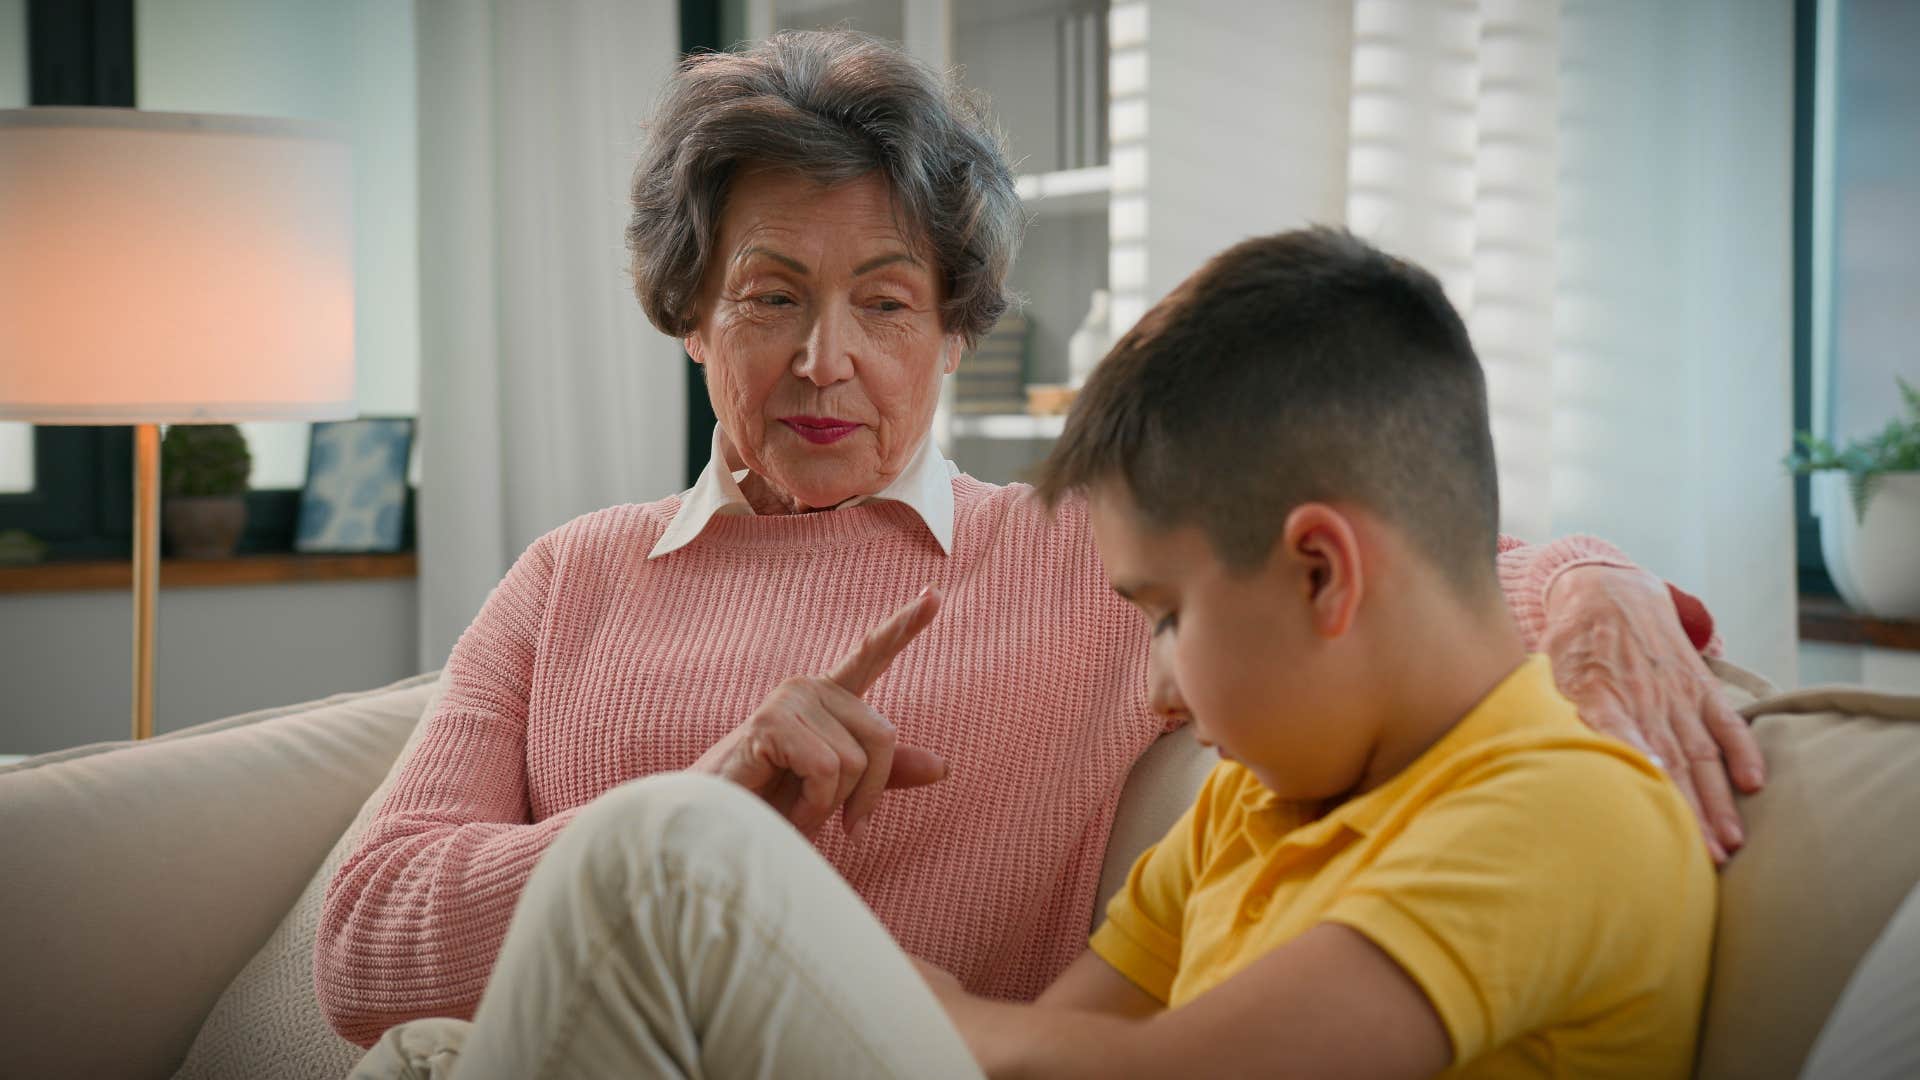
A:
[268,1022]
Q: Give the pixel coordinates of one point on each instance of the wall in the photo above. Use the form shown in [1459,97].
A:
[1891,670]
[1673,381]
[1246,127]
[66,658]
[1671,322]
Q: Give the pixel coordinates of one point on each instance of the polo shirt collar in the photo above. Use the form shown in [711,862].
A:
[925,486]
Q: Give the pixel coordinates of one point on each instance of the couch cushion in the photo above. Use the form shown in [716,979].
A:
[1830,855]
[268,1021]
[1161,786]
[141,876]
[1875,1030]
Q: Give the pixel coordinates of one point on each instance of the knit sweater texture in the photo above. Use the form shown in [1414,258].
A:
[591,665]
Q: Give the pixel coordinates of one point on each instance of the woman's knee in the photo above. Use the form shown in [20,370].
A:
[667,817]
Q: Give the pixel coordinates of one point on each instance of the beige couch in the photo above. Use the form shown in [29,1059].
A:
[157,901]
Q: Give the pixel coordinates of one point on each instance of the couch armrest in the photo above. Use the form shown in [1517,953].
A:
[140,878]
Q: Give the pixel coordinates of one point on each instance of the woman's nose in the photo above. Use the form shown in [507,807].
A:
[826,356]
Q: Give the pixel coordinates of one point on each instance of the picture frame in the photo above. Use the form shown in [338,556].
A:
[355,498]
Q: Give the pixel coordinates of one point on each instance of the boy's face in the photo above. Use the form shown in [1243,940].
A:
[1245,657]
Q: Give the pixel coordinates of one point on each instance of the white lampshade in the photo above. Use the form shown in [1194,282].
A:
[173,268]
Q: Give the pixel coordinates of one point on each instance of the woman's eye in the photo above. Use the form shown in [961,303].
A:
[889,304]
[774,300]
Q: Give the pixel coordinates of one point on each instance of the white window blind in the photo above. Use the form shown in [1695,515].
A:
[1452,162]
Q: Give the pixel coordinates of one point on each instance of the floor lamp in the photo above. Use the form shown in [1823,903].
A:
[167,268]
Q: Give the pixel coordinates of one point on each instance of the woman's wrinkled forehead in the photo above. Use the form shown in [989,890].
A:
[783,218]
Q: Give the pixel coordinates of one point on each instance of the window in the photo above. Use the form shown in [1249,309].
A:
[349,65]
[1857,240]
[16,440]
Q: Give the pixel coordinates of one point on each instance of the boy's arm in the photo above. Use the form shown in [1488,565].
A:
[1090,984]
[1328,1003]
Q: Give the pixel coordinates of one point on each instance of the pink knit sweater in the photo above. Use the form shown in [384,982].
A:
[591,665]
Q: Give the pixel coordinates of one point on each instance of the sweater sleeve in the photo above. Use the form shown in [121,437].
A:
[1527,571]
[414,918]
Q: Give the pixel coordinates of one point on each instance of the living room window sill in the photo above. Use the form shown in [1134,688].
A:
[1826,618]
[99,575]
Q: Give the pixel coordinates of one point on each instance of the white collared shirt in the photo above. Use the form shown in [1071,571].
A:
[925,486]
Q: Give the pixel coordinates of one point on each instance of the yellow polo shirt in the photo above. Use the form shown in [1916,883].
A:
[1546,886]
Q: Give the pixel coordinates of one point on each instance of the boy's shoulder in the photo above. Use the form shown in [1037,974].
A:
[1550,885]
[1564,767]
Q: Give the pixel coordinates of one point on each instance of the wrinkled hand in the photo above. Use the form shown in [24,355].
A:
[814,746]
[1619,653]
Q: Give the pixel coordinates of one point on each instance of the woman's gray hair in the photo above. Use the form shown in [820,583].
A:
[832,106]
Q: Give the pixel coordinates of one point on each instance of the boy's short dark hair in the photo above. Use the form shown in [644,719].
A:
[1307,366]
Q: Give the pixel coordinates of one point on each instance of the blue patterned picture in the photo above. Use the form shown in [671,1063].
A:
[356,494]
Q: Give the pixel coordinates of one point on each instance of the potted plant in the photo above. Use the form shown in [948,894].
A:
[203,478]
[1867,498]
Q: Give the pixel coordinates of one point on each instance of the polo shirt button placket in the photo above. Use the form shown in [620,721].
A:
[1255,906]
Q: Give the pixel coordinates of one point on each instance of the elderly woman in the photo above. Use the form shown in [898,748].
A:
[828,226]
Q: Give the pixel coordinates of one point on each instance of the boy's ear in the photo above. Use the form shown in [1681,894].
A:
[1321,543]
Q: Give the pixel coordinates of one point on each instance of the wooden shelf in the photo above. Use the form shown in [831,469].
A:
[96,575]
[1826,618]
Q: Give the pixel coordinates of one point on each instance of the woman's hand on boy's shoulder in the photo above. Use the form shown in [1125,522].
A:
[1621,656]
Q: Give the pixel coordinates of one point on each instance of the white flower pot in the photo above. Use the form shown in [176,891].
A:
[1875,561]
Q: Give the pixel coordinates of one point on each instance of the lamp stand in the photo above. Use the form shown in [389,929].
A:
[146,570]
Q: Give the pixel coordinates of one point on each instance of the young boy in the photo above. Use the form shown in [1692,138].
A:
[1413,856]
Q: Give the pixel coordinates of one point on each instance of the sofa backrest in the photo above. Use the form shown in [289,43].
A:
[1831,853]
[135,883]
[1875,1029]
[159,870]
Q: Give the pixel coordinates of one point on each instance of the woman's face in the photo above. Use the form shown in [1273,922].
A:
[819,328]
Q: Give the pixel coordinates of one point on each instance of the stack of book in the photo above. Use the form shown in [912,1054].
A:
[992,378]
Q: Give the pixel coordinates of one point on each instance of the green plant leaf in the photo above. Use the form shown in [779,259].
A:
[204,459]
[1894,448]
[1861,485]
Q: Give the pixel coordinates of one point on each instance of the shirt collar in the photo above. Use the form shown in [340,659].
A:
[925,486]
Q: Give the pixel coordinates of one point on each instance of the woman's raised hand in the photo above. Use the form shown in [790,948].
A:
[815,746]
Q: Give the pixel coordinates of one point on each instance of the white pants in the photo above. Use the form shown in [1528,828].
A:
[680,928]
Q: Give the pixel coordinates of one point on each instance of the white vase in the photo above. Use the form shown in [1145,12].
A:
[1089,343]
[1874,560]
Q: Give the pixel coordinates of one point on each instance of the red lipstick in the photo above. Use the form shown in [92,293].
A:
[820,430]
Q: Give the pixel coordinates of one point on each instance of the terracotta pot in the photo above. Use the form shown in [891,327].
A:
[203,527]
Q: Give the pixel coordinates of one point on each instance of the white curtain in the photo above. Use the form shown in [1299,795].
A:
[545,393]
[1605,189]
